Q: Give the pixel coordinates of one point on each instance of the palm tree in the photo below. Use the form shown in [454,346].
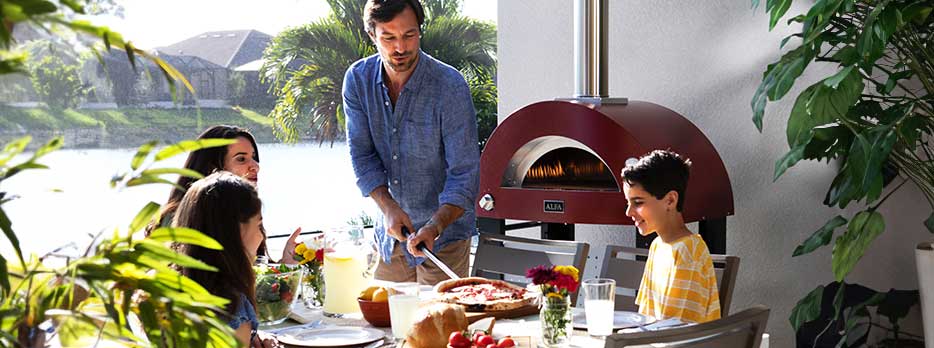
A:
[305,65]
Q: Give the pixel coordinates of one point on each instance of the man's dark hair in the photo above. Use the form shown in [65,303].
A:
[660,172]
[382,11]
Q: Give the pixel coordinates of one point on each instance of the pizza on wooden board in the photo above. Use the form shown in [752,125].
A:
[484,295]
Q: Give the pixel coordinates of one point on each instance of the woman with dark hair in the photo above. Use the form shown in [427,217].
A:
[240,158]
[227,208]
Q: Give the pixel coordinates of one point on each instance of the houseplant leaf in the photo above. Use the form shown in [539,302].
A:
[820,237]
[867,156]
[807,309]
[850,247]
[800,121]
[929,223]
[834,96]
[896,304]
[789,160]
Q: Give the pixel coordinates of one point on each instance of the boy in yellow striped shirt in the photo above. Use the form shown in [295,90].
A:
[679,279]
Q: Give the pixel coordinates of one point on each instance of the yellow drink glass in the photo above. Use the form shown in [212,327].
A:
[349,261]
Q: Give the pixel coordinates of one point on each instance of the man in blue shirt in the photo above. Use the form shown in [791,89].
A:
[412,131]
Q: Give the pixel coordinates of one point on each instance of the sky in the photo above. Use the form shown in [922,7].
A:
[150,24]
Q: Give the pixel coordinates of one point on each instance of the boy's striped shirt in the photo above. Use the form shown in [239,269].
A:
[679,282]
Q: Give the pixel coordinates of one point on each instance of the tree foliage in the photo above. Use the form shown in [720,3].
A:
[56,83]
[305,65]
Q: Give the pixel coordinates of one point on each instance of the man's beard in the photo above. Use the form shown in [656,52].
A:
[405,65]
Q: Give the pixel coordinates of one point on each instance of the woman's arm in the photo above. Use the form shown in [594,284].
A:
[243,333]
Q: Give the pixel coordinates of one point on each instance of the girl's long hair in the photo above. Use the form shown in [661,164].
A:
[205,161]
[216,206]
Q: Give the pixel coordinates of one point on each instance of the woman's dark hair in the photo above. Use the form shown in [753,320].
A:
[216,206]
[660,172]
[204,161]
[382,11]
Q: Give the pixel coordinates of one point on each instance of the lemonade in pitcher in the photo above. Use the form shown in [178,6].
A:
[349,262]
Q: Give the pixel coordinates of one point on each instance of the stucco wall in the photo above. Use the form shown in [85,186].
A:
[704,59]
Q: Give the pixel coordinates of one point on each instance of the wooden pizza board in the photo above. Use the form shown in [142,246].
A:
[510,313]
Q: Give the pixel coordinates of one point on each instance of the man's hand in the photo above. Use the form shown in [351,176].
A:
[395,218]
[426,234]
[393,215]
[290,248]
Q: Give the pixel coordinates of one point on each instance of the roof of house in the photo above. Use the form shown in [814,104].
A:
[229,49]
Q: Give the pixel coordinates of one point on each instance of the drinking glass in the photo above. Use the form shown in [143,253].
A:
[403,303]
[599,295]
[349,261]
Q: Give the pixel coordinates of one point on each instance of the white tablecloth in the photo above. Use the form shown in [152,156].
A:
[528,326]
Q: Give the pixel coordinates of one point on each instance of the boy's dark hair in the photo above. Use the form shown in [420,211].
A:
[382,11]
[660,172]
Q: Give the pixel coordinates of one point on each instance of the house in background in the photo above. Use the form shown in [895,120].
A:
[228,50]
[209,60]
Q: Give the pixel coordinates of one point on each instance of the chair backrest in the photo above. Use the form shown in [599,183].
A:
[742,330]
[507,257]
[626,266]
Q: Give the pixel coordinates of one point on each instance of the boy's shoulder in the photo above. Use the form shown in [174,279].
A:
[691,249]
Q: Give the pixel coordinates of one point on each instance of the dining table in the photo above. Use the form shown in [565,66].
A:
[525,330]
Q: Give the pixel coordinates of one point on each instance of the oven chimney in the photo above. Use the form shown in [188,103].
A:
[590,53]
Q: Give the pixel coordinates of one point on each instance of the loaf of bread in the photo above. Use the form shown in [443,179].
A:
[434,324]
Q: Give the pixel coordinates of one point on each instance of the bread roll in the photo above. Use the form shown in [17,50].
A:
[435,324]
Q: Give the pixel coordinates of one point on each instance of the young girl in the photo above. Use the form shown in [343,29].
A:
[226,207]
[679,279]
[240,158]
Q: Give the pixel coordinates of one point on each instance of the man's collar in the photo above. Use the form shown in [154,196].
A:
[414,80]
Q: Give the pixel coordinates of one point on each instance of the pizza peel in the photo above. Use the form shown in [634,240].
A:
[431,256]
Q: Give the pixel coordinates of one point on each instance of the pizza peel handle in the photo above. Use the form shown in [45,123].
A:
[431,256]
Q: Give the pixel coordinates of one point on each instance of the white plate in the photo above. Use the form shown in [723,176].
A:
[621,320]
[331,336]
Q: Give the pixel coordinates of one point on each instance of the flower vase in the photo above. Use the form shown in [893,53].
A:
[313,287]
[556,319]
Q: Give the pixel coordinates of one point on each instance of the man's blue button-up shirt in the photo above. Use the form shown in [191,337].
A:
[424,148]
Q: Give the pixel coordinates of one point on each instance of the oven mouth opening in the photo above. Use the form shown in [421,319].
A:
[558,163]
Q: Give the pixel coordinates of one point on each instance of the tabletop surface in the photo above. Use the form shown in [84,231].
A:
[525,329]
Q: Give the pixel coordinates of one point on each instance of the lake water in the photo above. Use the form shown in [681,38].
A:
[303,185]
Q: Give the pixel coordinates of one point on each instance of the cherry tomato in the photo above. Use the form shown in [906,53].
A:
[476,336]
[458,340]
[485,340]
[506,343]
[491,345]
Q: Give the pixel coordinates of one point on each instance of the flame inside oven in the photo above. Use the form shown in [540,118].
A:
[569,168]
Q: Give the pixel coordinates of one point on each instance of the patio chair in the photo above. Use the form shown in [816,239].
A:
[626,266]
[507,258]
[741,330]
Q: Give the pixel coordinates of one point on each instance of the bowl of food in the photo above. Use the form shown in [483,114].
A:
[374,304]
[276,290]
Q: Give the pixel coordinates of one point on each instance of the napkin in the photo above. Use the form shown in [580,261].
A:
[662,324]
[304,315]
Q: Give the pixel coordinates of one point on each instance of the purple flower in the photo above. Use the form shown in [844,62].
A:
[541,275]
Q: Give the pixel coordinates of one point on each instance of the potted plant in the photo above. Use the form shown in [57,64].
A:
[873,116]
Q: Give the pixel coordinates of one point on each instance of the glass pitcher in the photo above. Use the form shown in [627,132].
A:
[350,258]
